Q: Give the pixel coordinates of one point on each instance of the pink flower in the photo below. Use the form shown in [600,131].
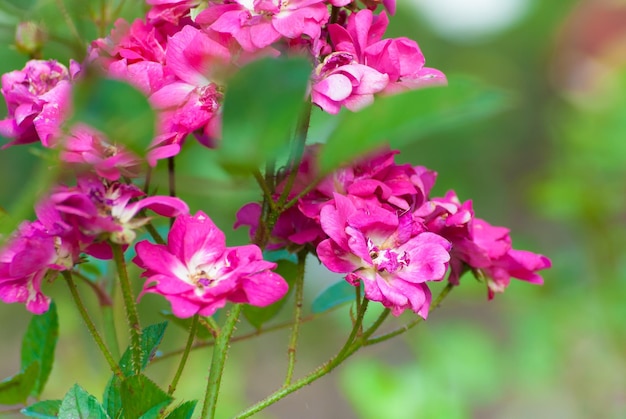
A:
[197,273]
[89,148]
[174,12]
[98,210]
[256,24]
[30,256]
[382,250]
[478,245]
[37,99]
[191,103]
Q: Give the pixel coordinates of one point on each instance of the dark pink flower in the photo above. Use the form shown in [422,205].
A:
[257,24]
[478,245]
[87,147]
[37,99]
[191,103]
[380,249]
[98,210]
[30,256]
[197,273]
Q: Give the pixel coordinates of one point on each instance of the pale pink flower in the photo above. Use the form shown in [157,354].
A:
[257,24]
[29,257]
[380,249]
[37,99]
[198,274]
[85,147]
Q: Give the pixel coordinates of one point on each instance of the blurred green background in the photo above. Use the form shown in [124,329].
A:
[551,166]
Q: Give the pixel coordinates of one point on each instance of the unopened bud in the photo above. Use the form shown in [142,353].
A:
[29,38]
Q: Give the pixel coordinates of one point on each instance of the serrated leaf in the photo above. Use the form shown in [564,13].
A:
[47,409]
[117,109]
[339,293]
[112,399]
[201,332]
[257,316]
[262,104]
[402,118]
[183,411]
[16,389]
[140,395]
[78,404]
[151,338]
[39,344]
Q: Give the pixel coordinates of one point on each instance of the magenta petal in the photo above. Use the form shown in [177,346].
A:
[264,288]
[335,258]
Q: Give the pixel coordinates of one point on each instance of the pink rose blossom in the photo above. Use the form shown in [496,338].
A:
[89,148]
[37,99]
[257,24]
[98,210]
[380,249]
[198,274]
[478,245]
[29,257]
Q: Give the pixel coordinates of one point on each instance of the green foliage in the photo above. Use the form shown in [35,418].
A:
[39,344]
[117,109]
[142,398]
[257,316]
[262,102]
[17,388]
[183,411]
[340,292]
[402,118]
[78,404]
[47,409]
[151,338]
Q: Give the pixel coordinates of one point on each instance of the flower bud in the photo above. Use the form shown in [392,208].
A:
[29,38]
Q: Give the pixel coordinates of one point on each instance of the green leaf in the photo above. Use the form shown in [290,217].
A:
[262,104]
[151,338]
[201,332]
[39,343]
[16,389]
[47,409]
[183,411]
[282,254]
[113,398]
[339,293]
[78,404]
[402,118]
[257,316]
[117,109]
[140,395]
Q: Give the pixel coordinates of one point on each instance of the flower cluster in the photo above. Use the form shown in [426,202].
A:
[376,222]
[373,221]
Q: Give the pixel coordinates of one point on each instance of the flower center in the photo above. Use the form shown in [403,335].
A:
[387,260]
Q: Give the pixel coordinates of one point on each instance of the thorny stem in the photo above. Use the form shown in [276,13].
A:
[183,360]
[297,317]
[91,326]
[220,350]
[131,309]
[349,348]
[105,290]
[265,188]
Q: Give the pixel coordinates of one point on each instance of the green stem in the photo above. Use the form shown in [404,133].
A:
[217,362]
[297,318]
[443,294]
[131,309]
[350,347]
[154,233]
[265,188]
[183,360]
[91,326]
